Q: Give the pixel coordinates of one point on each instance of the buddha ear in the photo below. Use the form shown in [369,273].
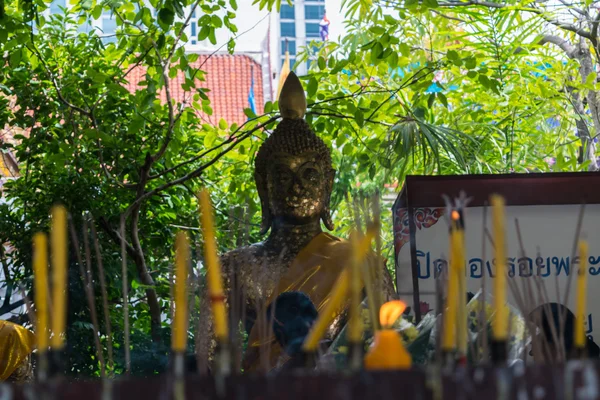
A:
[326,213]
[261,187]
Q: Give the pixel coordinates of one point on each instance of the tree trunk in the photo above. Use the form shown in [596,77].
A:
[586,67]
[137,254]
[581,53]
[145,277]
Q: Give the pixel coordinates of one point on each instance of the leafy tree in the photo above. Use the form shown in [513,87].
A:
[510,36]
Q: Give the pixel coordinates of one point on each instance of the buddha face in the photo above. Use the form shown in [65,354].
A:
[298,187]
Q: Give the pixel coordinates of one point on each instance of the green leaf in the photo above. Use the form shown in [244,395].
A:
[322,64]
[212,37]
[393,60]
[347,150]
[86,5]
[443,99]
[471,74]
[389,19]
[209,139]
[204,32]
[166,18]
[216,21]
[431,3]
[222,124]
[359,117]
[378,30]
[470,63]
[376,52]
[404,49]
[160,43]
[312,86]
[97,12]
[485,81]
[452,55]
[249,113]
[430,100]
[268,107]
[386,53]
[591,79]
[15,58]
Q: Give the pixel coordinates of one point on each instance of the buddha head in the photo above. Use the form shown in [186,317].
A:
[293,170]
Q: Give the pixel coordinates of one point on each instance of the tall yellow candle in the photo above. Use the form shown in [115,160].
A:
[182,256]
[213,269]
[338,295]
[449,337]
[40,267]
[355,326]
[337,298]
[500,321]
[59,276]
[581,295]
[461,323]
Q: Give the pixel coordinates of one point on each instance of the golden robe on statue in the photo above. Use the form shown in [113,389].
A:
[16,345]
[313,272]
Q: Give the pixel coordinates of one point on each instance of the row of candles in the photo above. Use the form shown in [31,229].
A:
[350,280]
[51,334]
[455,318]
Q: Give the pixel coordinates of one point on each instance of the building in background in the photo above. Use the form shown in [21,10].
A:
[232,80]
[261,35]
[299,24]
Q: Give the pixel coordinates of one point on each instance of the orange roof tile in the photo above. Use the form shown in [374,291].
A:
[228,77]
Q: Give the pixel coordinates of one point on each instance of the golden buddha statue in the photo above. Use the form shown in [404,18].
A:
[294,177]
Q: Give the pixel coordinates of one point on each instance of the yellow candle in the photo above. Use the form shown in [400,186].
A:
[338,295]
[182,256]
[461,323]
[355,325]
[449,338]
[59,276]
[40,266]
[388,351]
[581,295]
[500,322]
[213,269]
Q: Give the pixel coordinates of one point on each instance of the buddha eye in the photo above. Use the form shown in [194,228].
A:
[311,174]
[282,175]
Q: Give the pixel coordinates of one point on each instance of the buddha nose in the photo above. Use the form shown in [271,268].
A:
[297,186]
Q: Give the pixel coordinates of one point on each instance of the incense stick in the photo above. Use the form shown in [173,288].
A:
[103,288]
[482,320]
[89,289]
[125,290]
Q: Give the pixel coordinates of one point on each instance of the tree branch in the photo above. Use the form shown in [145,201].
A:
[564,44]
[198,171]
[231,138]
[115,236]
[569,27]
[449,16]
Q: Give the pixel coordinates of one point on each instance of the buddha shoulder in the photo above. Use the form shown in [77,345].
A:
[239,257]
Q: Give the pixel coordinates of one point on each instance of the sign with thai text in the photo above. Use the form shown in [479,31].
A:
[543,255]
